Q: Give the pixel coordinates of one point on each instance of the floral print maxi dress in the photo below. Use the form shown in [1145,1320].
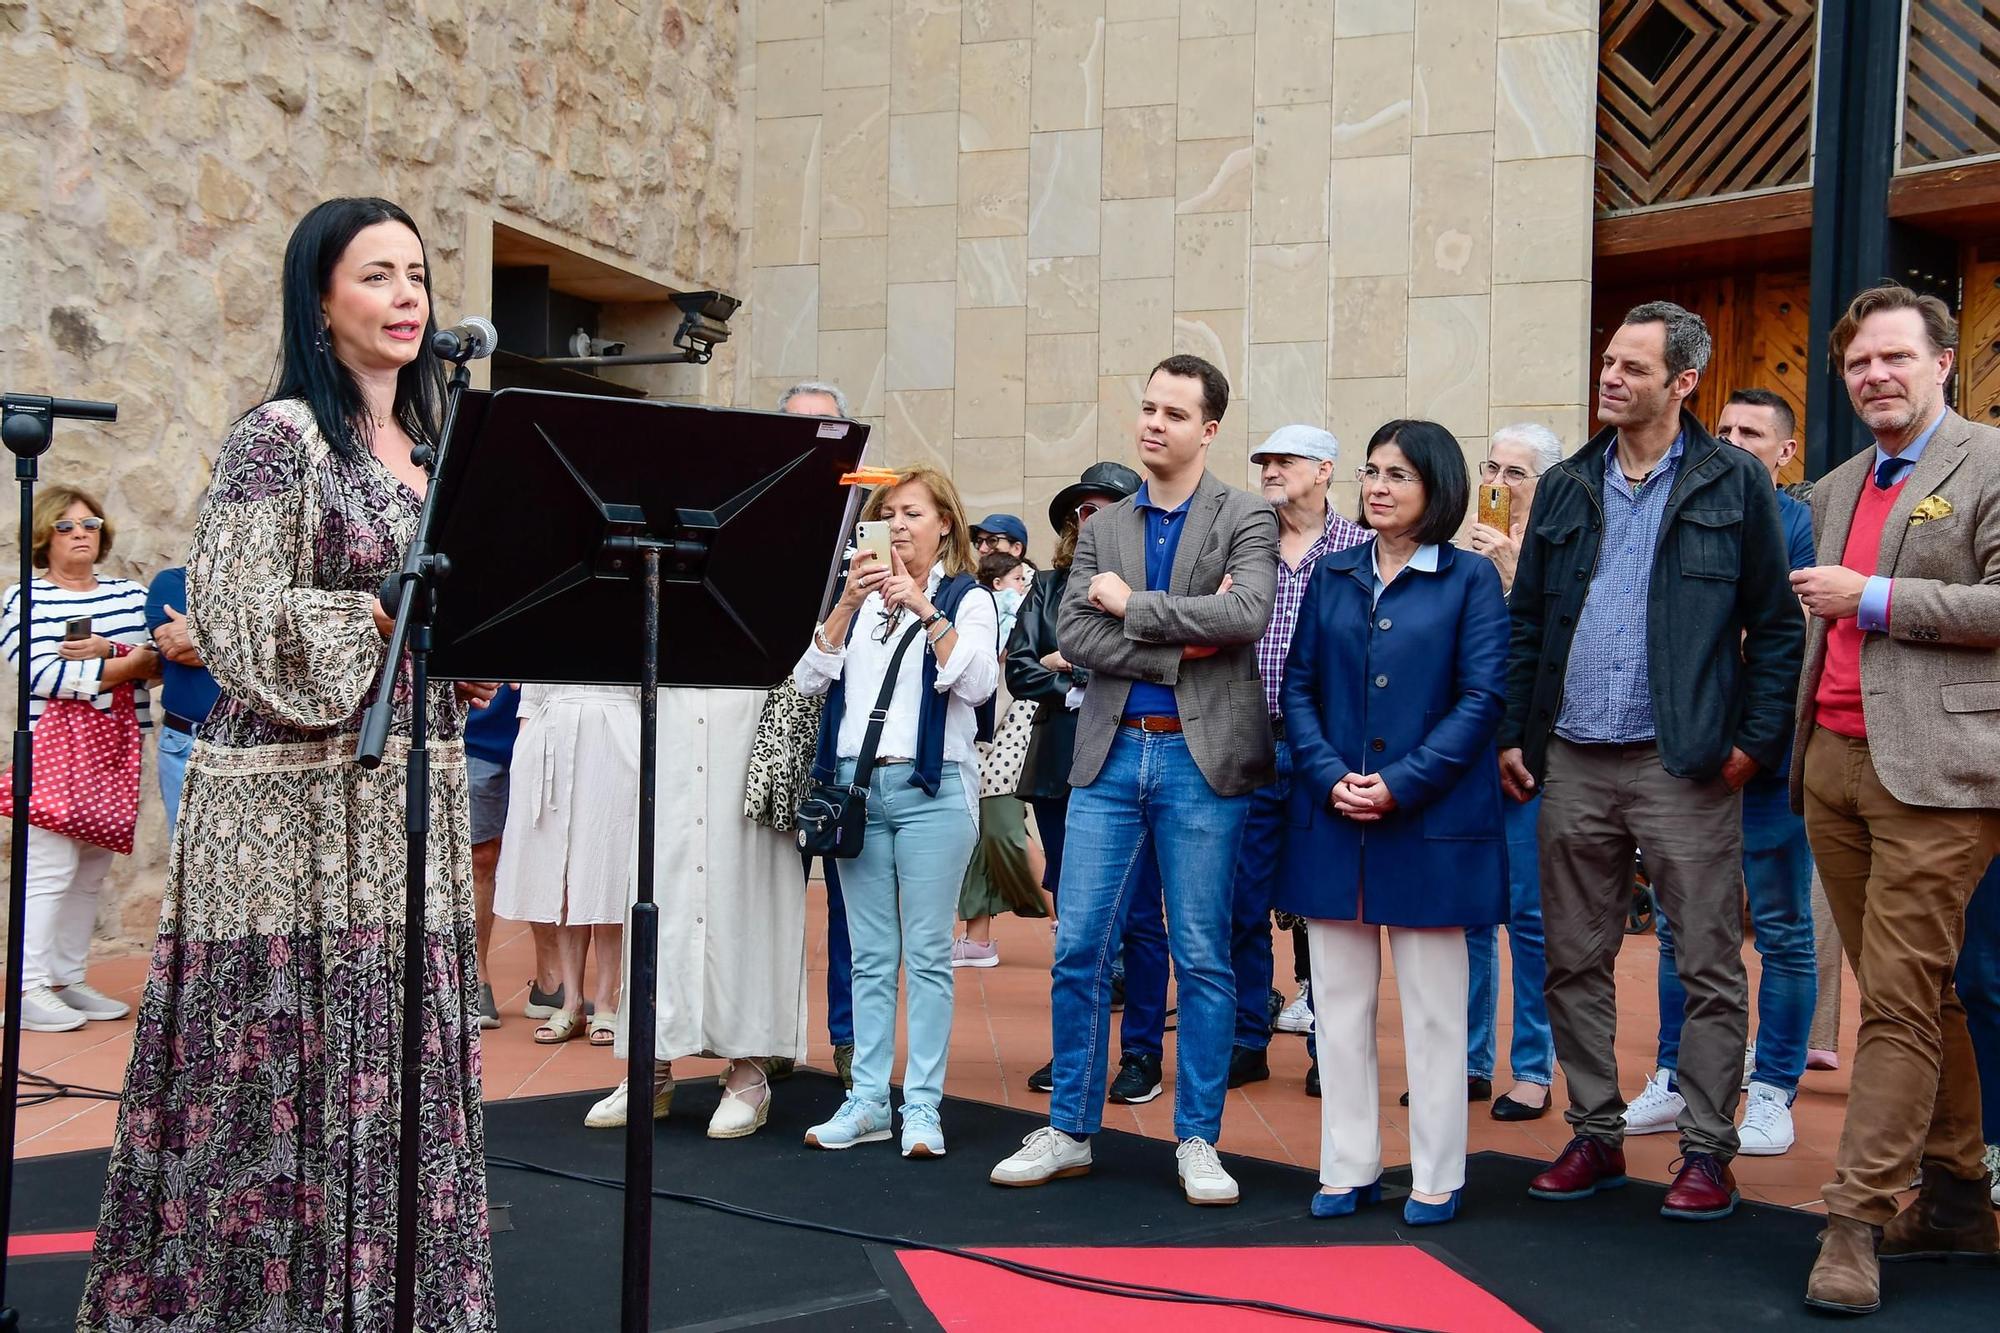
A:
[253,1179]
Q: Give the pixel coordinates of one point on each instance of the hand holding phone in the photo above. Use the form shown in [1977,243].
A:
[79,628]
[1495,507]
[873,538]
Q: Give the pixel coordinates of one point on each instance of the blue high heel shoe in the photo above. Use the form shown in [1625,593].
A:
[1343,1205]
[1430,1214]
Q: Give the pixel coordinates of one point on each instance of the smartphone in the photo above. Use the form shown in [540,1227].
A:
[873,537]
[78,628]
[1494,506]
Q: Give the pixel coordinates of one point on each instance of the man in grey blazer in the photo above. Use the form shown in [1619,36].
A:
[1168,595]
[1896,767]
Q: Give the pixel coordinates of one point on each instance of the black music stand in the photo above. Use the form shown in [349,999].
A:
[615,541]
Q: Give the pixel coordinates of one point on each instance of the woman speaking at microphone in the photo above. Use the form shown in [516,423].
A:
[253,1179]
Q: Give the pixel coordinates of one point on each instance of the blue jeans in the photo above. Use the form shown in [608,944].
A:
[1777,875]
[1978,982]
[174,749]
[839,962]
[1149,801]
[1532,1055]
[1142,963]
[901,894]
[1256,885]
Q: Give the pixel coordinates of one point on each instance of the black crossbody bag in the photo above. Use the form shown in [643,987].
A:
[834,815]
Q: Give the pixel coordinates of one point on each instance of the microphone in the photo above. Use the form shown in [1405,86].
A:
[78,409]
[470,339]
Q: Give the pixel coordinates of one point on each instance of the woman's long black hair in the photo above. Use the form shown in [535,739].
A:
[307,368]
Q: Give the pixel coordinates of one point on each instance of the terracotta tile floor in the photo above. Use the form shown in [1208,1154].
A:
[1001,1035]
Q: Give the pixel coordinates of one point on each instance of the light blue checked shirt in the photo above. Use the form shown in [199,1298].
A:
[1607,690]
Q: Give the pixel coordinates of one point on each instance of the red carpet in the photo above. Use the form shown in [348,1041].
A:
[1396,1284]
[38,1244]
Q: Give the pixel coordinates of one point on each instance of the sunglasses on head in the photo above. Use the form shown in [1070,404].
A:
[71,524]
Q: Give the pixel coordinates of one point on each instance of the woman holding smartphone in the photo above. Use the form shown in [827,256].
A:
[901,890]
[89,637]
[1393,694]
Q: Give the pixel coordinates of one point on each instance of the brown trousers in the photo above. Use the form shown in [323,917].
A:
[1898,878]
[1600,804]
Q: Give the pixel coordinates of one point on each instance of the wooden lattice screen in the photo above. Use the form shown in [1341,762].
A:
[1697,99]
[1951,88]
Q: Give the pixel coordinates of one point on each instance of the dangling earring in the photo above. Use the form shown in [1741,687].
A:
[319,340]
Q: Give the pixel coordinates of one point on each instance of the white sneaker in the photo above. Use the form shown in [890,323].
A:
[1298,1015]
[1657,1108]
[1203,1180]
[42,1010]
[1767,1123]
[92,1003]
[1045,1155]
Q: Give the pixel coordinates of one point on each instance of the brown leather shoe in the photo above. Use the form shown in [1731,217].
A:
[1704,1190]
[1951,1218]
[1846,1278]
[1586,1166]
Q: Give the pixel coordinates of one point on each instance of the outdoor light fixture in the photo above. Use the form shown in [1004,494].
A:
[704,324]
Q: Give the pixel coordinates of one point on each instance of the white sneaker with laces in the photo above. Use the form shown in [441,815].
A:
[1203,1180]
[1767,1123]
[1298,1015]
[1657,1108]
[42,1010]
[1045,1155]
[92,1003]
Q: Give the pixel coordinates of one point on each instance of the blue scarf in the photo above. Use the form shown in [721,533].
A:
[928,765]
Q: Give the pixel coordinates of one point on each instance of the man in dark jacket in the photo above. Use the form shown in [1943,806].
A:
[1655,655]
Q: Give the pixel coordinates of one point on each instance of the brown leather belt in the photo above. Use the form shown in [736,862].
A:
[1151,723]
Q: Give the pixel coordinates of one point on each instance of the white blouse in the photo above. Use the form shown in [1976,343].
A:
[969,678]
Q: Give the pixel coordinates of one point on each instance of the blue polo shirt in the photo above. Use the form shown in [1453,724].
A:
[1796,516]
[1163,539]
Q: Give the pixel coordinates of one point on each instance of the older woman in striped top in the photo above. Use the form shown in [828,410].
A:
[71,534]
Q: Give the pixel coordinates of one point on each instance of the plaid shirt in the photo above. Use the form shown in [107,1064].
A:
[1276,644]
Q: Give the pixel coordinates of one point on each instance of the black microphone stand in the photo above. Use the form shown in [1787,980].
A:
[27,422]
[416,597]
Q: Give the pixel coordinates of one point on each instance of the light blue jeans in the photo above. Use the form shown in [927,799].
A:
[1148,800]
[901,898]
[175,747]
[1533,1054]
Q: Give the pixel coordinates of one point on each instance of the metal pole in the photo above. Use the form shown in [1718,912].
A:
[640,985]
[25,468]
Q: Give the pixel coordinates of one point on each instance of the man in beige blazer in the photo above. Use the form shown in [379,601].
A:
[1896,767]
[1169,593]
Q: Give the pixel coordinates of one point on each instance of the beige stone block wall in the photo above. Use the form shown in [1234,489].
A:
[154,156]
[1359,209]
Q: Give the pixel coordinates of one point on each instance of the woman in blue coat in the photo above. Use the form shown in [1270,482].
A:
[1392,697]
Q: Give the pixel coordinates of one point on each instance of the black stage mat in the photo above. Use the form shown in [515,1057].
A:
[1606,1263]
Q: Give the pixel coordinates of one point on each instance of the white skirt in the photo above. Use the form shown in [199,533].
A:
[731,893]
[571,848]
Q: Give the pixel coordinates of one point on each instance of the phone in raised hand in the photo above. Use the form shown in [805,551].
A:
[874,538]
[1495,507]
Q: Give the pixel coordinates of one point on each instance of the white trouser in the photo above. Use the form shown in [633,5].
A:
[64,877]
[1431,983]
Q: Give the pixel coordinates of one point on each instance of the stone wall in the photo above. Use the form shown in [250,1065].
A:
[155,155]
[988,219]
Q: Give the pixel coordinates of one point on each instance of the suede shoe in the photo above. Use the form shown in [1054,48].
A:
[1247,1065]
[1951,1218]
[1847,1277]
[843,1064]
[1704,1191]
[1138,1080]
[1586,1166]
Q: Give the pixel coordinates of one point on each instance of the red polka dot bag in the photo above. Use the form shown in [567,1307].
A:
[86,770]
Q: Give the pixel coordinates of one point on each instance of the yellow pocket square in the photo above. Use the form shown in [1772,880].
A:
[1930,507]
